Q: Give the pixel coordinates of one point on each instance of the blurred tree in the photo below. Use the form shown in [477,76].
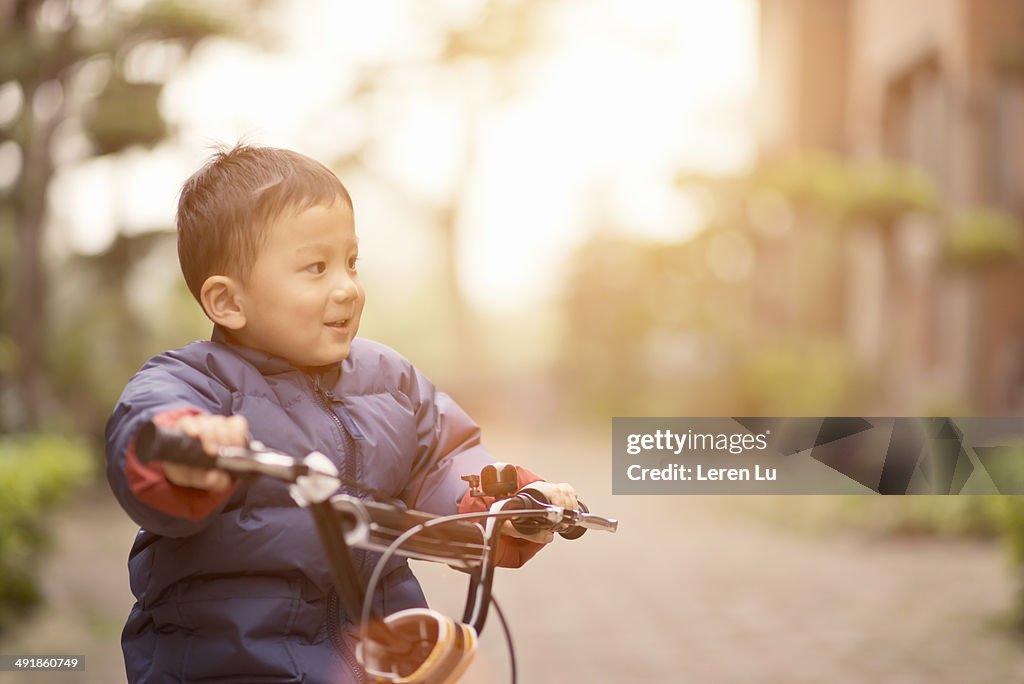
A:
[506,34]
[481,50]
[101,331]
[608,321]
[651,328]
[789,209]
[72,76]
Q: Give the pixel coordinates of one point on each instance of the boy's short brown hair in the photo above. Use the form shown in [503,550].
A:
[225,207]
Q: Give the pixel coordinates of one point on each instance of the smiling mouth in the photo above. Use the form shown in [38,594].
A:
[342,323]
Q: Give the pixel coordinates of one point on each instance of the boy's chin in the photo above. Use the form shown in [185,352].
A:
[329,359]
[319,355]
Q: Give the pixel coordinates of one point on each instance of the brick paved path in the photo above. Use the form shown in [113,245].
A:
[688,591]
[685,592]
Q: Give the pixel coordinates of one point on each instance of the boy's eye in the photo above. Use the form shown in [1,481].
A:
[318,267]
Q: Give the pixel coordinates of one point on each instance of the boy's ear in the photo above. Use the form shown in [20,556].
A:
[221,301]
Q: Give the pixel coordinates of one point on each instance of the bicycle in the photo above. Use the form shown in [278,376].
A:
[413,646]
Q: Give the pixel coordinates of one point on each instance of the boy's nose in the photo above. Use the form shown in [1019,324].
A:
[344,288]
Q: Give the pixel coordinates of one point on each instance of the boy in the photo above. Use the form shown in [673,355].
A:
[229,577]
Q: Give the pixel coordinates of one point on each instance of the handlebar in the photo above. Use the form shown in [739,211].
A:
[571,524]
[381,520]
[465,541]
[153,443]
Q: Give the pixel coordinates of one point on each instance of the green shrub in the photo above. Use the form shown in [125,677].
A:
[789,377]
[36,473]
[983,236]
[882,192]
[876,192]
[819,180]
[892,516]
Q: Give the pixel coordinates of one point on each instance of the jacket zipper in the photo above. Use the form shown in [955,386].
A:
[324,397]
[334,634]
[333,631]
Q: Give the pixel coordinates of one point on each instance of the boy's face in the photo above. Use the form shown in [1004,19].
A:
[302,299]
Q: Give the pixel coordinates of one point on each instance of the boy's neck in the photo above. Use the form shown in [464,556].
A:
[269,363]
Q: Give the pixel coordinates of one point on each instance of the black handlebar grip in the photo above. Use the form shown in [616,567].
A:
[575,532]
[527,526]
[153,443]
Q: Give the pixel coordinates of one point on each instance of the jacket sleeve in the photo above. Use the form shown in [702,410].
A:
[448,447]
[165,388]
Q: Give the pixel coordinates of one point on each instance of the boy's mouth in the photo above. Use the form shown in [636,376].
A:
[340,323]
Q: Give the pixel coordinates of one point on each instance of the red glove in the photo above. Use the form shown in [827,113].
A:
[150,486]
[512,551]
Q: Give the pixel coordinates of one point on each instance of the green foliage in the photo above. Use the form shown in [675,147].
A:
[101,335]
[36,473]
[126,114]
[818,180]
[1012,510]
[1013,516]
[983,236]
[945,516]
[1010,514]
[887,516]
[650,328]
[184,21]
[795,378]
[884,191]
[847,192]
[622,297]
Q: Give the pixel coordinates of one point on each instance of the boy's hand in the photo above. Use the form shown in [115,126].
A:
[213,432]
[560,494]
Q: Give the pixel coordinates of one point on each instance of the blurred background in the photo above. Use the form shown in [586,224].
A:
[568,210]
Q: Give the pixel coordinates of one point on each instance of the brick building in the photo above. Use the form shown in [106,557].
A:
[938,84]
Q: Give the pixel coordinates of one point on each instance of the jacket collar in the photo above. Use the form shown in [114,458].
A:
[270,364]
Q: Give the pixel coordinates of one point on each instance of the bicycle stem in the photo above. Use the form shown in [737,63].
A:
[312,490]
[346,579]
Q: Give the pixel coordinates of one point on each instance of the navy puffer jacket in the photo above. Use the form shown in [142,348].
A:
[245,594]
